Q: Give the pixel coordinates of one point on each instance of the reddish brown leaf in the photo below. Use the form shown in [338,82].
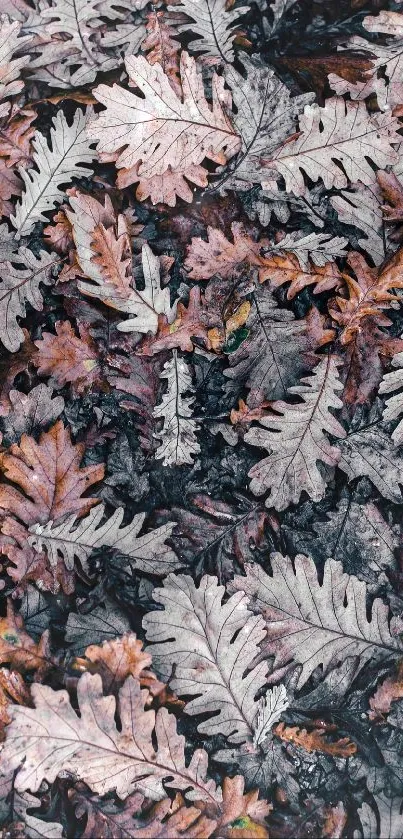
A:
[15,137]
[313,741]
[368,294]
[50,475]
[68,359]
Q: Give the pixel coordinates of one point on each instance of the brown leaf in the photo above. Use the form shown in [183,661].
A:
[161,47]
[335,821]
[137,819]
[10,184]
[68,359]
[368,294]
[313,741]
[389,691]
[220,256]
[112,253]
[242,815]
[50,475]
[282,269]
[16,133]
[18,649]
[59,233]
[30,566]
[12,690]
[191,322]
[116,660]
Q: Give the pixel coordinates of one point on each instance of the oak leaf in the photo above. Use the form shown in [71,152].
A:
[163,132]
[67,359]
[162,47]
[314,741]
[313,624]
[76,540]
[145,754]
[55,166]
[334,143]
[387,692]
[293,435]
[369,294]
[21,286]
[213,647]
[49,475]
[177,437]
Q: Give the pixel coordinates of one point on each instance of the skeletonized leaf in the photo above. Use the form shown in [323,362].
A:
[53,739]
[76,540]
[213,646]
[294,437]
[312,623]
[213,21]
[57,165]
[178,443]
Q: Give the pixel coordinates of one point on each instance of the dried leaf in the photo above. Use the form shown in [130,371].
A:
[316,624]
[296,442]
[53,739]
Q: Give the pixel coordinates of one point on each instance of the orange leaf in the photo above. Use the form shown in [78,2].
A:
[313,741]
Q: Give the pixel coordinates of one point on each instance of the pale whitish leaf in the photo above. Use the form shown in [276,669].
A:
[31,411]
[386,60]
[316,624]
[371,453]
[294,437]
[18,287]
[334,143]
[178,443]
[272,356]
[74,539]
[145,306]
[57,165]
[10,42]
[212,646]
[214,25]
[85,217]
[390,819]
[8,244]
[34,828]
[145,754]
[102,624]
[362,208]
[162,130]
[265,115]
[392,382]
[270,710]
[80,20]
[318,247]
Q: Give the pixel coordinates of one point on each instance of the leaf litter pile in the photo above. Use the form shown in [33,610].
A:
[201,415]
